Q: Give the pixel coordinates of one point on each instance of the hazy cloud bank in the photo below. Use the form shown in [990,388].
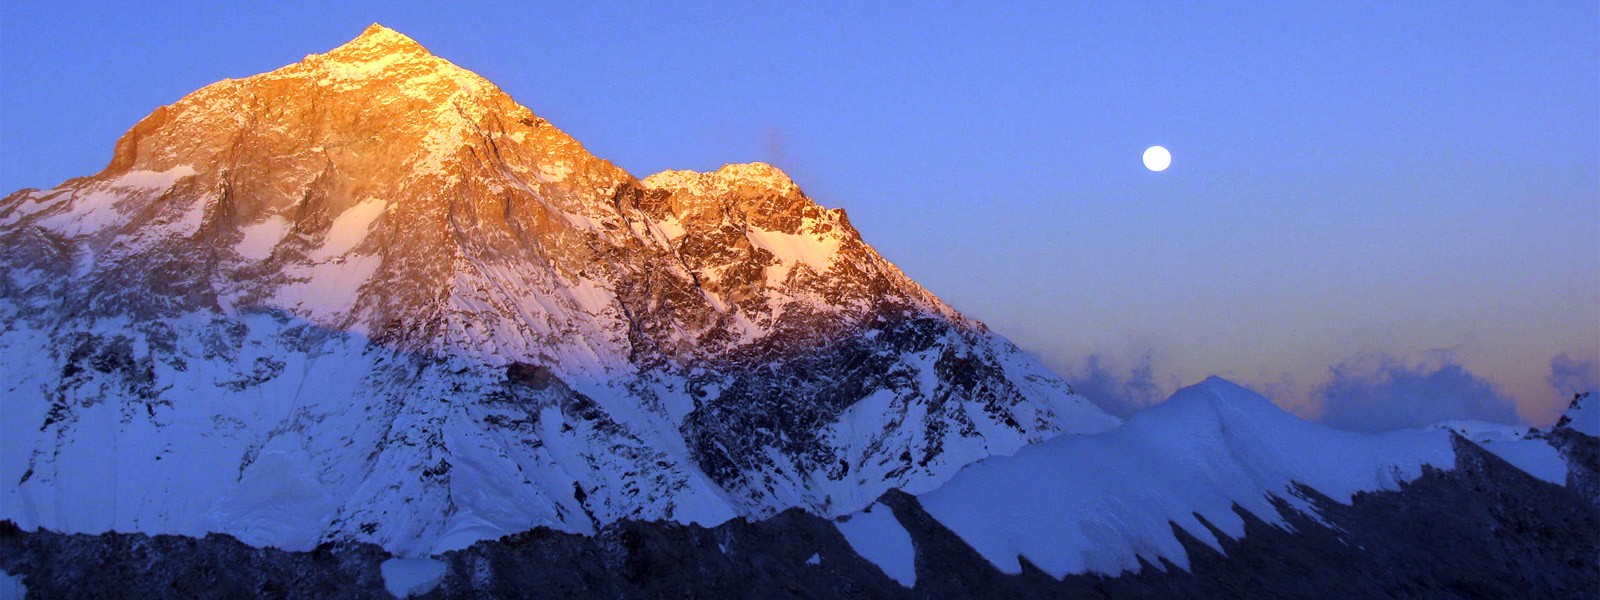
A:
[1371,392]
[1571,375]
[1382,392]
[1118,391]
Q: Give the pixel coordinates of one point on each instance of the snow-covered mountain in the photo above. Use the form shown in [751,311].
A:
[368,296]
[1214,493]
[367,307]
[1200,462]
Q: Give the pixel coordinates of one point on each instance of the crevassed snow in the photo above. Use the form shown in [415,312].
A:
[817,251]
[407,577]
[1097,503]
[879,537]
[349,229]
[260,238]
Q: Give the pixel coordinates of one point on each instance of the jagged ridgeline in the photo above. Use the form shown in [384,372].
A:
[369,297]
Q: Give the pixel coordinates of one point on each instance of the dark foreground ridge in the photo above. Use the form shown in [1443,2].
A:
[1483,530]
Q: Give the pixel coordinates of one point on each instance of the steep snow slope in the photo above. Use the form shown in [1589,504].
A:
[1525,448]
[369,296]
[877,536]
[1100,503]
[1583,415]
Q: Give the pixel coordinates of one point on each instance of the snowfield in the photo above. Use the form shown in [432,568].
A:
[1099,503]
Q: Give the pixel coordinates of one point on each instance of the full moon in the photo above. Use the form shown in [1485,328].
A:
[1157,158]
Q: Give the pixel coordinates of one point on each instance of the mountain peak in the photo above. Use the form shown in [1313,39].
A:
[376,35]
[376,43]
[755,171]
[756,174]
[378,30]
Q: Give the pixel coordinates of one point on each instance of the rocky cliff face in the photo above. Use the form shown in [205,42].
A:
[369,297]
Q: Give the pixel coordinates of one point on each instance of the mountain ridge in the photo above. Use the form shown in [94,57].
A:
[1509,533]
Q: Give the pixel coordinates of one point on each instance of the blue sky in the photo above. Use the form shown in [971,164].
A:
[1405,185]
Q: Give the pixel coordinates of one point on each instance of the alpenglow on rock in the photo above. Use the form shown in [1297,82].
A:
[369,296]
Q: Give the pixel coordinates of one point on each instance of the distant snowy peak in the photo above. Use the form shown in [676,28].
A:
[1108,502]
[1102,503]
